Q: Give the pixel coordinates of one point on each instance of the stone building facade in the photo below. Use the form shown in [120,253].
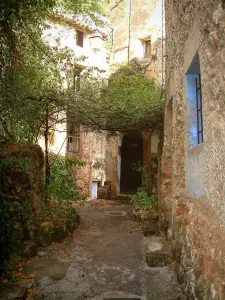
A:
[137,38]
[138,32]
[192,189]
[68,138]
[137,35]
[98,150]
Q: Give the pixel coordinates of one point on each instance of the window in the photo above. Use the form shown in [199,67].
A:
[194,103]
[147,48]
[199,109]
[96,42]
[79,38]
[73,143]
[77,79]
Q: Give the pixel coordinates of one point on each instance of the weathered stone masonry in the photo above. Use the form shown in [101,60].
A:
[192,187]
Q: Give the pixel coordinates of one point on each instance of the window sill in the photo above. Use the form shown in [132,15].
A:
[196,149]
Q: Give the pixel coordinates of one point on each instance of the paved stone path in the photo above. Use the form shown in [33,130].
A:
[105,259]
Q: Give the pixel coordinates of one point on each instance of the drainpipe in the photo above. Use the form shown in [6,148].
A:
[163,44]
[129,32]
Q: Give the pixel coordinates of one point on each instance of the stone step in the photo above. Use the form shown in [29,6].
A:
[158,253]
[118,296]
[122,197]
[113,298]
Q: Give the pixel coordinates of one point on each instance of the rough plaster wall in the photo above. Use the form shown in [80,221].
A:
[64,35]
[197,233]
[119,20]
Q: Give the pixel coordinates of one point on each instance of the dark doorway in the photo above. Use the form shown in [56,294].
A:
[131,157]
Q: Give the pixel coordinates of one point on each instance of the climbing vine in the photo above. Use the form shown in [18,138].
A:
[129,101]
[62,186]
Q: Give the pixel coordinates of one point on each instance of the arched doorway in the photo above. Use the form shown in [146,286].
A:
[131,156]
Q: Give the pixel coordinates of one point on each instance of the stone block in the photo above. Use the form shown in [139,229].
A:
[151,229]
[46,233]
[30,249]
[12,292]
[158,259]
[181,209]
[158,253]
[59,233]
[42,236]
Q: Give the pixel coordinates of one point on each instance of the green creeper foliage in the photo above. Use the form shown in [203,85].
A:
[62,186]
[30,77]
[130,101]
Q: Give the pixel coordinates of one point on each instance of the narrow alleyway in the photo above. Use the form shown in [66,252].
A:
[105,259]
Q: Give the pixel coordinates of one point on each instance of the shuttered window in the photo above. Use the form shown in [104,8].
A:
[73,140]
[147,48]
[79,38]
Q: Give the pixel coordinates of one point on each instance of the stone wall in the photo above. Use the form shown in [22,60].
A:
[21,176]
[21,194]
[192,186]
[98,150]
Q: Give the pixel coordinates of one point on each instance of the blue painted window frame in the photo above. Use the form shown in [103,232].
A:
[194,98]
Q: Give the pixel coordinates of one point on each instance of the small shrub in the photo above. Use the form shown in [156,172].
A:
[57,215]
[142,202]
[9,236]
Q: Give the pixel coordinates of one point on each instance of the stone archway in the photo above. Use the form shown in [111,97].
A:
[131,155]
